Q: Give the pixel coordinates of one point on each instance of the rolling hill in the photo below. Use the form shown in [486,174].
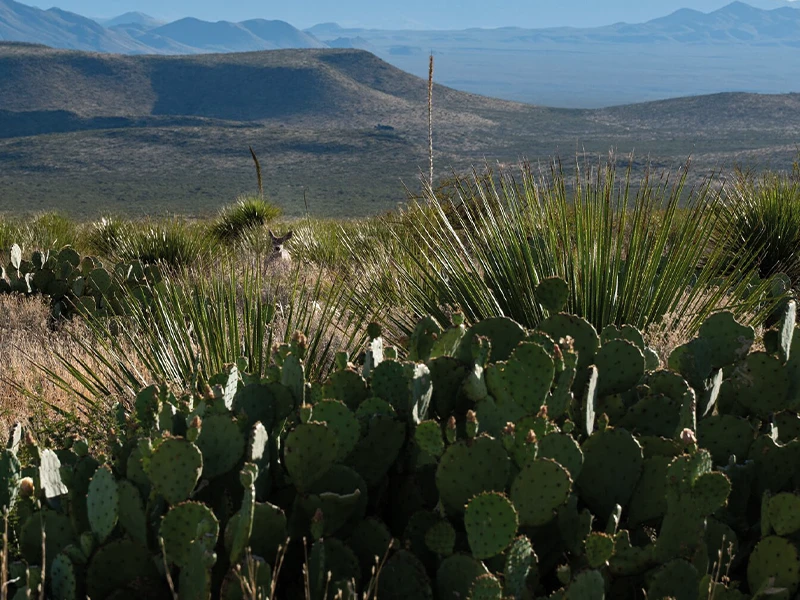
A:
[89,133]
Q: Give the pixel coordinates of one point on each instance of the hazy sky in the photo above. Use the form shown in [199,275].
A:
[439,14]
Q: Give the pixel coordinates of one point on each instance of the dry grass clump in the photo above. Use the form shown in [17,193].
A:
[27,340]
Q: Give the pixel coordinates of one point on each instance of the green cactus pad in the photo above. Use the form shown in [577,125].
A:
[620,366]
[563,449]
[520,560]
[725,436]
[677,579]
[63,582]
[347,386]
[131,511]
[447,375]
[441,538]
[390,383]
[626,332]
[762,384]
[186,524]
[649,498]
[10,476]
[372,407]
[370,540]
[293,377]
[269,531]
[402,577]
[422,339]
[582,332]
[413,537]
[784,513]
[195,577]
[788,423]
[174,469]
[269,403]
[222,444]
[58,535]
[310,451]
[587,585]
[599,548]
[117,566]
[456,576]
[552,293]
[774,557]
[241,530]
[50,475]
[467,470]
[612,463]
[486,587]
[524,379]
[720,538]
[341,495]
[429,438]
[336,563]
[503,333]
[710,492]
[491,523]
[539,489]
[341,421]
[102,503]
[727,340]
[378,449]
[770,460]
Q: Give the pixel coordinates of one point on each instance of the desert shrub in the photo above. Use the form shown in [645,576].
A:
[248,213]
[764,214]
[104,236]
[627,257]
[175,244]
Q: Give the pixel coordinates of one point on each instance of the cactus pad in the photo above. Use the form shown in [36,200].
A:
[50,475]
[599,548]
[222,444]
[725,436]
[491,523]
[582,332]
[341,421]
[428,436]
[456,575]
[503,333]
[727,340]
[774,557]
[563,449]
[677,579]
[539,489]
[269,531]
[784,513]
[310,450]
[620,366]
[390,383]
[761,384]
[403,576]
[370,540]
[649,498]
[486,587]
[467,470]
[102,503]
[10,477]
[58,535]
[117,565]
[174,468]
[63,582]
[441,538]
[525,378]
[612,462]
[131,512]
[520,559]
[187,524]
[587,585]
[552,293]
[378,449]
[347,386]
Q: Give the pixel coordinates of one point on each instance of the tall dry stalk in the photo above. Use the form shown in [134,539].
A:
[430,116]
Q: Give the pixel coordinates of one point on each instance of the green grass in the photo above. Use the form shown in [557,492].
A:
[248,213]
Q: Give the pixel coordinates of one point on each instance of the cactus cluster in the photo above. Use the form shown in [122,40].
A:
[76,284]
[492,463]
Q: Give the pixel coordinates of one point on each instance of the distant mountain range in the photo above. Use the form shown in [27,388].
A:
[738,47]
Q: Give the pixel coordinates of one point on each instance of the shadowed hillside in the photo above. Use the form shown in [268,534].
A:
[89,132]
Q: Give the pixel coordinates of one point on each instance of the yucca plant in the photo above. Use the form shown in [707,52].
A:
[104,236]
[174,244]
[193,325]
[628,257]
[248,213]
[764,214]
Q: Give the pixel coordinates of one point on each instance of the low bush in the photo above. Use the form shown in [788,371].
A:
[248,213]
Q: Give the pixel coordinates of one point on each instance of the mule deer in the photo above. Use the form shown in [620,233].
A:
[280,256]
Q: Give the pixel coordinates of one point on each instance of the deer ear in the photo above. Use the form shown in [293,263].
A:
[288,236]
[272,235]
